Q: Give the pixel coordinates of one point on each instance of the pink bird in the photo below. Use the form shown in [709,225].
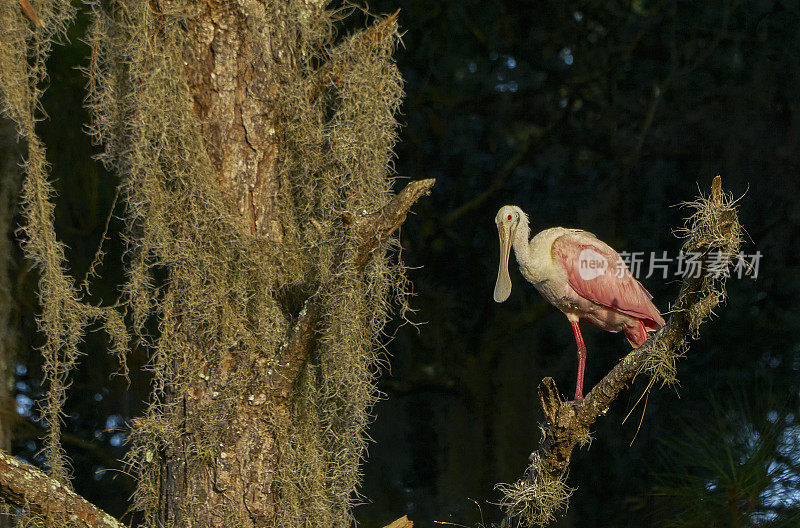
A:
[580,275]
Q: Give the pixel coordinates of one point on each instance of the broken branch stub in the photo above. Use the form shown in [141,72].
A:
[372,229]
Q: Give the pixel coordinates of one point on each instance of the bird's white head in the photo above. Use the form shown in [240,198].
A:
[508,220]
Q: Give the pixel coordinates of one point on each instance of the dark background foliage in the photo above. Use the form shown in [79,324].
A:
[602,115]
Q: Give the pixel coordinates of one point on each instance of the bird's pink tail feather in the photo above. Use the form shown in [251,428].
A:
[636,334]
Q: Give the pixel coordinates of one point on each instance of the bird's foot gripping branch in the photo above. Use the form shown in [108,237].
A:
[712,228]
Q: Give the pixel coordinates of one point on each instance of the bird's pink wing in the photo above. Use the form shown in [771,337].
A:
[596,272]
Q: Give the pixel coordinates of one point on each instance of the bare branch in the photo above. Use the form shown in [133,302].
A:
[712,229]
[34,491]
[371,229]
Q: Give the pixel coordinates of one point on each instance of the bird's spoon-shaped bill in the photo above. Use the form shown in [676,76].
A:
[502,288]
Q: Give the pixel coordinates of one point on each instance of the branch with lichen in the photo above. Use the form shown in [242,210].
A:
[712,229]
[29,488]
[371,230]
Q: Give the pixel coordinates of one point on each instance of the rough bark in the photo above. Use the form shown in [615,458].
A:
[31,489]
[233,96]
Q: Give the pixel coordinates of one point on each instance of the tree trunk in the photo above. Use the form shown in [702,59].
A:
[236,57]
[232,99]
[240,480]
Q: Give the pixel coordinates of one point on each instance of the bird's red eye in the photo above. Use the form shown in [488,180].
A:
[509,217]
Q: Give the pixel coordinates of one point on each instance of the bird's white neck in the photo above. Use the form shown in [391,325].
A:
[532,261]
[521,243]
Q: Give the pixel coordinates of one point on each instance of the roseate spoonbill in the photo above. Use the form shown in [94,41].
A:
[580,275]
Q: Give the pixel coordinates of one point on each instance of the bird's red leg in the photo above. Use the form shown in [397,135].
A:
[581,359]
